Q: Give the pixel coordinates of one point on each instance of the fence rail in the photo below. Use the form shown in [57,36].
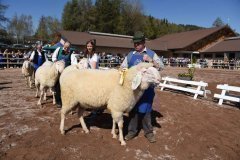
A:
[18,62]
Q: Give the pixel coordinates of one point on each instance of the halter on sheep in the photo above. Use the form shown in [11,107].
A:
[79,90]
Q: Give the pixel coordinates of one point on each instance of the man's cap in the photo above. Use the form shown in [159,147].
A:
[138,37]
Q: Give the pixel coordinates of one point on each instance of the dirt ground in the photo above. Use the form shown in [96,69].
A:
[185,128]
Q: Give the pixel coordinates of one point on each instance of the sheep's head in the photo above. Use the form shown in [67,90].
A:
[26,64]
[146,75]
[83,64]
[60,65]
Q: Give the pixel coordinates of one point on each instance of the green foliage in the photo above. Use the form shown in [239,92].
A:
[47,27]
[189,74]
[3,19]
[218,22]
[116,16]
[194,59]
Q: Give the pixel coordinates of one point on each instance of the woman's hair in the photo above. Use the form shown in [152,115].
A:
[93,43]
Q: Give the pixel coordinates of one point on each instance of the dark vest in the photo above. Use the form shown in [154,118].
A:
[35,58]
[65,57]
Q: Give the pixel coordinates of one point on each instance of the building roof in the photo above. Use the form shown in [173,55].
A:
[184,39]
[103,39]
[228,45]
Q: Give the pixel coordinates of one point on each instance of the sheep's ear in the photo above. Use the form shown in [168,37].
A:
[136,80]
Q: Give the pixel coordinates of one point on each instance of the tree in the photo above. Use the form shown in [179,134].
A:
[3,19]
[47,27]
[218,22]
[78,15]
[108,15]
[20,26]
[70,17]
[133,19]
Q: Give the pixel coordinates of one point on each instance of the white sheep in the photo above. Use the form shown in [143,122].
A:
[82,64]
[46,77]
[92,89]
[27,71]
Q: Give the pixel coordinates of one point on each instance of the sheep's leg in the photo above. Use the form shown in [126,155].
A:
[113,129]
[120,126]
[37,87]
[118,117]
[26,79]
[63,113]
[54,95]
[80,116]
[45,94]
[30,82]
[41,95]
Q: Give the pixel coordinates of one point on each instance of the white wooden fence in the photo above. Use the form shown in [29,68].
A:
[226,88]
[177,84]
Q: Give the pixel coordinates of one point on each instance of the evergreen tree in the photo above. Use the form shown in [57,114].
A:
[116,16]
[71,16]
[133,19]
[78,15]
[218,22]
[46,28]
[3,19]
[107,15]
[42,30]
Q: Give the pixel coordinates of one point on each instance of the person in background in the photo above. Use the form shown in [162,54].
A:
[93,58]
[37,57]
[62,53]
[142,110]
[91,55]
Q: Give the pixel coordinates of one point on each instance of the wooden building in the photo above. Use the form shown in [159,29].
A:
[172,45]
[184,43]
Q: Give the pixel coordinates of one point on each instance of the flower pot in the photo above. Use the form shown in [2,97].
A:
[185,78]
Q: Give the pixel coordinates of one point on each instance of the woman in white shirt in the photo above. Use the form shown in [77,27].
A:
[92,56]
[93,60]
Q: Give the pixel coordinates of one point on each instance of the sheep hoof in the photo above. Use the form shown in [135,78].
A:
[54,102]
[114,136]
[86,131]
[63,132]
[123,143]
[39,103]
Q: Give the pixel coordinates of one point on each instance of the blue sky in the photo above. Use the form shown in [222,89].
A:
[195,12]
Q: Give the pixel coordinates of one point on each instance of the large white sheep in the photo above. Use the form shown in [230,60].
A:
[46,77]
[91,89]
[27,71]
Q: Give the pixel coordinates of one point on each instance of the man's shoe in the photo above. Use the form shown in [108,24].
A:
[129,136]
[59,106]
[151,138]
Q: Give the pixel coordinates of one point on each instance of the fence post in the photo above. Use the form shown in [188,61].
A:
[164,82]
[222,94]
[7,61]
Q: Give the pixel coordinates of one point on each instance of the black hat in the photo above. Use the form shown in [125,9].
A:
[138,37]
